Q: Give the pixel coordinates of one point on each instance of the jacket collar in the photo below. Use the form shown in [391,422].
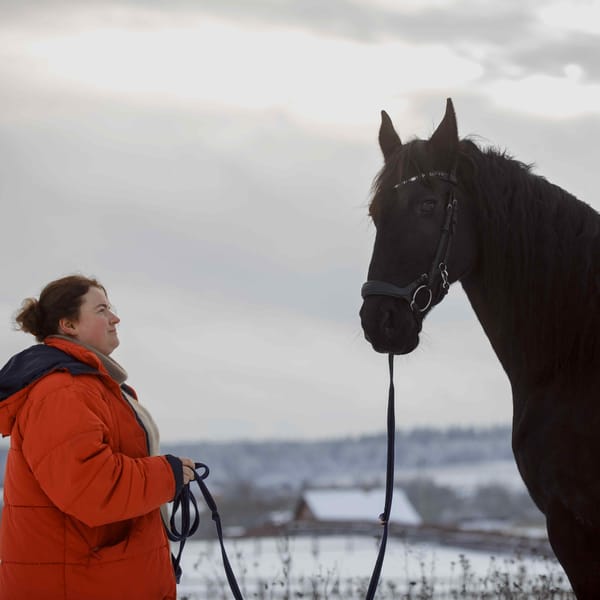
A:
[88,355]
[29,366]
[33,363]
[55,354]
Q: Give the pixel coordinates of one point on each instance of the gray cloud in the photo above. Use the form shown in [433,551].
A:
[511,31]
[551,57]
[462,21]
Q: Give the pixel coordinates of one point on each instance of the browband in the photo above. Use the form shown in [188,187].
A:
[449,177]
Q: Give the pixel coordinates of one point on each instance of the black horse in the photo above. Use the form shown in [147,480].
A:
[527,254]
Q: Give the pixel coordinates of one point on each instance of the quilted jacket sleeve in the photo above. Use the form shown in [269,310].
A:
[66,442]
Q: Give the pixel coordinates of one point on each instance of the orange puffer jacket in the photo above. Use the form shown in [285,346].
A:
[81,517]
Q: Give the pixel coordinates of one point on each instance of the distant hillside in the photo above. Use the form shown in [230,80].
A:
[359,460]
[338,461]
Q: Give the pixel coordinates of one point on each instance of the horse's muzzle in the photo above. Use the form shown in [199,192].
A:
[389,325]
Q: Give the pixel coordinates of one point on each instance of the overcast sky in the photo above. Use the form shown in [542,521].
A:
[210,162]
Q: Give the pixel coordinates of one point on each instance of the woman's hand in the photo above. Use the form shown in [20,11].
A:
[188,470]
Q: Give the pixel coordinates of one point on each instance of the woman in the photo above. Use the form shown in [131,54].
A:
[83,485]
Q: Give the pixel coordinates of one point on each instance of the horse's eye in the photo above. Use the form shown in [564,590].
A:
[427,206]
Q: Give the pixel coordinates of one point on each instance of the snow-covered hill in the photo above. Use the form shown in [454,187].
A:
[465,457]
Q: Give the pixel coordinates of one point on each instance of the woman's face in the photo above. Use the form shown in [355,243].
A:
[96,325]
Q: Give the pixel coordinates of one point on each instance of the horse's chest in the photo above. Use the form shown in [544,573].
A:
[557,451]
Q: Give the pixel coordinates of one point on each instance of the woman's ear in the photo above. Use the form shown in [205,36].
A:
[66,327]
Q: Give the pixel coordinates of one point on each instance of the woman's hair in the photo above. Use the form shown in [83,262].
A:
[60,299]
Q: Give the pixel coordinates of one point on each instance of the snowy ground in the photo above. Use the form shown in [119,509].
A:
[278,564]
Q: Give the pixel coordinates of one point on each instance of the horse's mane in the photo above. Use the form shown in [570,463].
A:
[539,263]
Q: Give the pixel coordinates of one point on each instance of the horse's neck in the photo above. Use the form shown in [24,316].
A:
[504,350]
[554,330]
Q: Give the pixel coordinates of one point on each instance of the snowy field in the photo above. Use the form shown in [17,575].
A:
[340,567]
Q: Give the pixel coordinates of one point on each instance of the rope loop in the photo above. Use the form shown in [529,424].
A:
[205,471]
[186,504]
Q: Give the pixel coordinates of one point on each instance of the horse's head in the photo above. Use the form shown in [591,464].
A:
[422,244]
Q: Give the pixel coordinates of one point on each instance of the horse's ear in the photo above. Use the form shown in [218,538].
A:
[389,140]
[444,140]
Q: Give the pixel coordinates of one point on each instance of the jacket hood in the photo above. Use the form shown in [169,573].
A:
[27,367]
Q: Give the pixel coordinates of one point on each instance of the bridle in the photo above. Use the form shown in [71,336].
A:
[421,297]
[420,293]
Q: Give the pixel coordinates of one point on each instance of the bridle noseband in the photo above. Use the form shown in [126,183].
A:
[420,293]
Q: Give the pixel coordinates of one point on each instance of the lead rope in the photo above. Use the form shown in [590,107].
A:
[384,517]
[187,529]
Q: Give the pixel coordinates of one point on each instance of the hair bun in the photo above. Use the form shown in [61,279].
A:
[29,319]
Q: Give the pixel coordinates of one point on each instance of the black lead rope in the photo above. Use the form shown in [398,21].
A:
[182,501]
[384,517]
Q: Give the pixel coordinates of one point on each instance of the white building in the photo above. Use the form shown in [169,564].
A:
[354,505]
